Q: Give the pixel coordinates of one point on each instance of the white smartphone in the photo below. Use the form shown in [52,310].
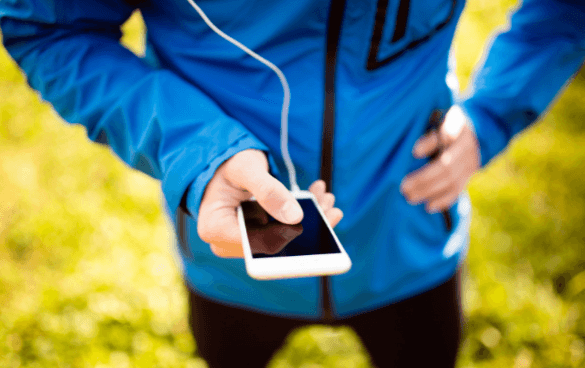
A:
[273,250]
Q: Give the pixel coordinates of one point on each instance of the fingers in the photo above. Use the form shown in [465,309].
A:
[426,145]
[326,202]
[220,229]
[442,202]
[439,182]
[421,189]
[434,183]
[416,185]
[224,251]
[334,215]
[318,189]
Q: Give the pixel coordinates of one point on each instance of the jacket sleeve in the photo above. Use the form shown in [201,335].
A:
[524,70]
[152,119]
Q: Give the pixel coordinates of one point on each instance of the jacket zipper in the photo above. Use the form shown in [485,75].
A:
[334,22]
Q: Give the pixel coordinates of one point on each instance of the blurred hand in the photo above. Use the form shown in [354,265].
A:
[440,181]
[242,176]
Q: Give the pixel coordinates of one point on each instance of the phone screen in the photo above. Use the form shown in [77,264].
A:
[271,238]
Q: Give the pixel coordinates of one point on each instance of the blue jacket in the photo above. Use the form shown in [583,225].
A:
[360,99]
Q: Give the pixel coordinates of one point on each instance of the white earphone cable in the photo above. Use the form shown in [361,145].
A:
[285,103]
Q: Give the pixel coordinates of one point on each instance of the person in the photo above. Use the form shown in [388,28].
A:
[365,78]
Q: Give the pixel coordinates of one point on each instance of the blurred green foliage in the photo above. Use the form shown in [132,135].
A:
[88,272]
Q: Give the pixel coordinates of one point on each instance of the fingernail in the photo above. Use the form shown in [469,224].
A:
[432,209]
[291,211]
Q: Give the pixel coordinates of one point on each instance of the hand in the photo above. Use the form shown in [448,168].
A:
[242,176]
[439,182]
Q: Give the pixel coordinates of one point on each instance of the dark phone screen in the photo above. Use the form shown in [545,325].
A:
[271,238]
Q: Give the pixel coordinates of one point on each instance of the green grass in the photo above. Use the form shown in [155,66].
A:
[88,276]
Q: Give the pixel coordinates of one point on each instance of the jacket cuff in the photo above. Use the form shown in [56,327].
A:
[195,164]
[492,140]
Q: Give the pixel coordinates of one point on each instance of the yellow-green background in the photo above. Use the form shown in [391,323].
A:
[88,276]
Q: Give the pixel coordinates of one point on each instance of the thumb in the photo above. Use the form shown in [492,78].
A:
[249,170]
[274,197]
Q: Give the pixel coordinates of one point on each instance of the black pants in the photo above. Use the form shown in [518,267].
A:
[423,331]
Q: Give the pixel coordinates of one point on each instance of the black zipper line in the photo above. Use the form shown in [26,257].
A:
[334,22]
